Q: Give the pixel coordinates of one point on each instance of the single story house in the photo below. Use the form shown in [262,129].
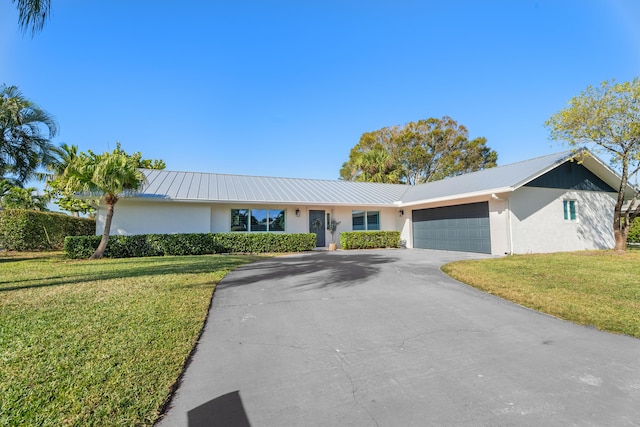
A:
[546,204]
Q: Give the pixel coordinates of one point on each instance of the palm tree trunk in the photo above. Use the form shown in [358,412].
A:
[107,229]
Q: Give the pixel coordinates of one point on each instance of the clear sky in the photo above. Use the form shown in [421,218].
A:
[286,88]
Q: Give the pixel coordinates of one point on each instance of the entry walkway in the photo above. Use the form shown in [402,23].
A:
[384,338]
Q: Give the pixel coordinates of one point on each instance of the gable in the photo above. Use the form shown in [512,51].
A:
[571,176]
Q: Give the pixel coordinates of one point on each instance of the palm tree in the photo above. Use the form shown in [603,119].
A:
[108,176]
[63,158]
[23,145]
[23,198]
[378,165]
[32,14]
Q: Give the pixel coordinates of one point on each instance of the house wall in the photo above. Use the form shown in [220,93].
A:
[135,217]
[538,224]
[142,217]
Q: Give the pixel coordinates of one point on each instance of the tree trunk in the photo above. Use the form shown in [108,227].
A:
[621,241]
[107,229]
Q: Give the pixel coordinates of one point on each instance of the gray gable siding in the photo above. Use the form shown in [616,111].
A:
[571,176]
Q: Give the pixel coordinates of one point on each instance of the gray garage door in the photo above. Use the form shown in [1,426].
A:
[453,228]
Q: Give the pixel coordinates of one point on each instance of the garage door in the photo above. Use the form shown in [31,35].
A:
[453,228]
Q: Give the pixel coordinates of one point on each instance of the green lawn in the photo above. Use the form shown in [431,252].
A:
[98,342]
[597,288]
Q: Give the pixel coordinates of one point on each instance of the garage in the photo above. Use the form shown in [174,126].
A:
[462,228]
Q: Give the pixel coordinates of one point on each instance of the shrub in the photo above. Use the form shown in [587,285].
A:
[189,244]
[25,230]
[369,239]
[634,232]
[264,242]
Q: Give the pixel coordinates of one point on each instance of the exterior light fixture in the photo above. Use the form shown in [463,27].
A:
[401,212]
[297,212]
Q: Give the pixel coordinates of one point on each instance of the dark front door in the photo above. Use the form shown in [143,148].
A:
[316,225]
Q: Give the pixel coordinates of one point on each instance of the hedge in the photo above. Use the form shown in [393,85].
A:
[634,232]
[143,245]
[25,230]
[369,239]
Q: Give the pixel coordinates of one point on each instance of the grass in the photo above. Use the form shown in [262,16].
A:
[595,288]
[98,342]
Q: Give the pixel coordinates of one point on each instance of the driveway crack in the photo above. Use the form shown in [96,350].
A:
[354,389]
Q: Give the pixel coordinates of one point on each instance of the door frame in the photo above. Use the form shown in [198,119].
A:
[319,232]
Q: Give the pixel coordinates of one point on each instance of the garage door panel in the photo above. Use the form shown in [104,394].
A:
[454,228]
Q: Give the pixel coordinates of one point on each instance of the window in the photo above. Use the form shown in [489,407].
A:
[257,219]
[365,220]
[569,210]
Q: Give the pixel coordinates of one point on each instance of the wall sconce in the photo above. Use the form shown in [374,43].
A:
[401,212]
[297,212]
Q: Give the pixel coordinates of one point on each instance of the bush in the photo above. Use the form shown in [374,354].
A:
[369,239]
[189,244]
[264,242]
[25,230]
[634,232]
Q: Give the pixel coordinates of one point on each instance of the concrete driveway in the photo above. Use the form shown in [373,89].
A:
[384,338]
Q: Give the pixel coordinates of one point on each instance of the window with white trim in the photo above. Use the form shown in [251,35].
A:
[569,207]
[265,220]
[365,220]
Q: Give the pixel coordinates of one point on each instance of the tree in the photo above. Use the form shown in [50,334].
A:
[108,176]
[23,145]
[64,157]
[23,198]
[606,119]
[418,152]
[32,14]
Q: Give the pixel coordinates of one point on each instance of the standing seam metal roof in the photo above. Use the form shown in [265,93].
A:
[196,186]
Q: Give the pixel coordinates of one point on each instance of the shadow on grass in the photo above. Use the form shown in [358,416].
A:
[312,270]
[123,269]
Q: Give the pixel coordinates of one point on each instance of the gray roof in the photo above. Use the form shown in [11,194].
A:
[212,187]
[195,186]
[493,180]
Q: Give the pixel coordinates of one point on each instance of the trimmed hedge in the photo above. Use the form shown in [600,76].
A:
[634,231]
[144,245]
[369,239]
[25,230]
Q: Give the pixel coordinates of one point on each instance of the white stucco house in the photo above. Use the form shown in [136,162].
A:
[547,204]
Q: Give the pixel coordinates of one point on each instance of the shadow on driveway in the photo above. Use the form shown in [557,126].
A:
[318,270]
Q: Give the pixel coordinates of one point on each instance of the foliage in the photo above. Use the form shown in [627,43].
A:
[108,176]
[369,239]
[333,226]
[23,198]
[32,14]
[189,244]
[99,343]
[62,165]
[25,230]
[634,232]
[599,288]
[607,119]
[23,145]
[63,157]
[418,152]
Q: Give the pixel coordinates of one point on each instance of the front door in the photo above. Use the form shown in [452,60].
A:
[316,225]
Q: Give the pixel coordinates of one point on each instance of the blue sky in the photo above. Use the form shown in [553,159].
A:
[286,88]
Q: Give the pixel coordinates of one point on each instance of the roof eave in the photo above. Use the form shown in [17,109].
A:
[473,195]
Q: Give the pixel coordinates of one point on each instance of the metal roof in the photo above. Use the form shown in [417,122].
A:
[213,187]
[487,181]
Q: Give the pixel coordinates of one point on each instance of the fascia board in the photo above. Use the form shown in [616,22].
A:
[484,193]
